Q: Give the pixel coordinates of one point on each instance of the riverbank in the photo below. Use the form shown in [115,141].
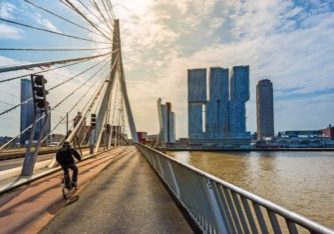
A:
[250,150]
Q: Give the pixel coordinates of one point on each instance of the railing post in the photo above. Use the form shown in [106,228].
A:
[176,185]
[162,174]
[217,213]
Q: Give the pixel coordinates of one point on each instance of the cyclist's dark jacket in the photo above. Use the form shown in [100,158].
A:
[64,156]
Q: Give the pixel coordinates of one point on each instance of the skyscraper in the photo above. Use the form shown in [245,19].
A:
[217,112]
[220,119]
[239,95]
[27,109]
[167,122]
[264,109]
[196,103]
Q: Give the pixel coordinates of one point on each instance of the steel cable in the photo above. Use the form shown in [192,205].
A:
[101,14]
[14,107]
[35,73]
[73,7]
[111,9]
[41,117]
[63,18]
[71,78]
[108,14]
[55,86]
[88,107]
[49,63]
[90,11]
[75,90]
[72,107]
[52,49]
[53,32]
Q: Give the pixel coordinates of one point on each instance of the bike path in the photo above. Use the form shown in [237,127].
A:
[29,208]
[126,197]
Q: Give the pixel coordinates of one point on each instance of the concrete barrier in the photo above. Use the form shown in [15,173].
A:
[5,174]
[19,181]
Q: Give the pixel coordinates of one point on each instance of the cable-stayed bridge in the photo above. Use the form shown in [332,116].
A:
[76,91]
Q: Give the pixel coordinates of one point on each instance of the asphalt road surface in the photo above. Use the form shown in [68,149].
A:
[126,197]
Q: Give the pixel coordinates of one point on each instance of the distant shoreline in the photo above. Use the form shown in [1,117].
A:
[249,150]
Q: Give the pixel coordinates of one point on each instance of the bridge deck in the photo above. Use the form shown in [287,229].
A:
[118,193]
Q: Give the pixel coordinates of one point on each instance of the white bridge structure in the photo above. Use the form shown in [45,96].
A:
[97,100]
[108,107]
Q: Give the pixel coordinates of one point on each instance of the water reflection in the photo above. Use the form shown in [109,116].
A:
[300,181]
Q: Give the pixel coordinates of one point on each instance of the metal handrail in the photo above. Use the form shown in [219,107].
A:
[229,205]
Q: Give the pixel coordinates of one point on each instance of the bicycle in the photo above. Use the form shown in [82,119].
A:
[69,190]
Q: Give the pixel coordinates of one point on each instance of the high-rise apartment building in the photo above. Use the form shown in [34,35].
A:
[167,122]
[197,98]
[264,109]
[218,120]
[27,109]
[239,95]
[27,113]
[217,109]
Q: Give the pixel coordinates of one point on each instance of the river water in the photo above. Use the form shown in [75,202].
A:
[300,181]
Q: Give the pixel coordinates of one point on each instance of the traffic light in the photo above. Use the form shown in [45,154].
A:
[39,92]
[107,126]
[93,120]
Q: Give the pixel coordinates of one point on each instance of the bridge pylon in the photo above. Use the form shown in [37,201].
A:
[99,134]
[116,72]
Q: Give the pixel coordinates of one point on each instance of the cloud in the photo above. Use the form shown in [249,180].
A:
[6,10]
[8,32]
[45,22]
[216,22]
[280,41]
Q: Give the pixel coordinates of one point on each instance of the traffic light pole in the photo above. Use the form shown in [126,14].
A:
[39,101]
[92,133]
[30,156]
[67,124]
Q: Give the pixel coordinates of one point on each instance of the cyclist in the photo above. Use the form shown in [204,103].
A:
[65,158]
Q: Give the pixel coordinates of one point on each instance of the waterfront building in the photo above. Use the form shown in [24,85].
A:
[142,137]
[299,139]
[219,120]
[217,109]
[197,98]
[300,134]
[27,113]
[5,139]
[56,138]
[264,109]
[328,132]
[167,122]
[239,88]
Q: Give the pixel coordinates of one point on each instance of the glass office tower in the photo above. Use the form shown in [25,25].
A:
[238,97]
[217,111]
[196,103]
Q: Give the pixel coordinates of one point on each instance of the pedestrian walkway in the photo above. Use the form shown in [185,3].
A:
[30,207]
[126,197]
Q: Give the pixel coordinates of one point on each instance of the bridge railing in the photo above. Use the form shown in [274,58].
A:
[220,207]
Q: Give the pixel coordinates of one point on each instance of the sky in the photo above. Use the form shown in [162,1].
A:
[289,42]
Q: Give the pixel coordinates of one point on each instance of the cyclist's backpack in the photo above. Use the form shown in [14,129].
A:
[64,156]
